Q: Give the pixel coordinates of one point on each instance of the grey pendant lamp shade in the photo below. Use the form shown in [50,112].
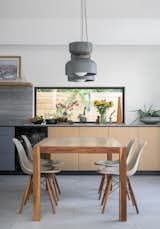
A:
[81,67]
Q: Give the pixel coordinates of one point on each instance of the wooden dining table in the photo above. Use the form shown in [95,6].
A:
[80,145]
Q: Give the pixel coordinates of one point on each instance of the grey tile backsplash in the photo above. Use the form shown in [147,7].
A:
[16,104]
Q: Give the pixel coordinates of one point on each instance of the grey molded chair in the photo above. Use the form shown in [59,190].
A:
[132,167]
[44,162]
[130,147]
[111,163]
[27,168]
[28,147]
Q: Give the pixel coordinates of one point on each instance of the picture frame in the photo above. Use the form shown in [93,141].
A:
[10,68]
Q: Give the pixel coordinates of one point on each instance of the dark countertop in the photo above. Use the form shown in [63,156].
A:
[79,125]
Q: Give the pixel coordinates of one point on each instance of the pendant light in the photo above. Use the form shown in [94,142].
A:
[81,67]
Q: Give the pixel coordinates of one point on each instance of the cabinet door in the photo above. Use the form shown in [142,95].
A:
[150,159]
[70,159]
[123,135]
[7,149]
[86,161]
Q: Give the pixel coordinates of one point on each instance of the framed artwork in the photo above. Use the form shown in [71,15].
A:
[10,68]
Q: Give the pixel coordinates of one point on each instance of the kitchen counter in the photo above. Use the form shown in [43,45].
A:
[121,132]
[81,125]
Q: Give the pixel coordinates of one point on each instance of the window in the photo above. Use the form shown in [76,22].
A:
[57,102]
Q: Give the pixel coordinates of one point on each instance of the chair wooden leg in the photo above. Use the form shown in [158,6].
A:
[106,194]
[128,195]
[57,184]
[30,191]
[101,185]
[109,179]
[25,195]
[132,195]
[55,187]
[50,194]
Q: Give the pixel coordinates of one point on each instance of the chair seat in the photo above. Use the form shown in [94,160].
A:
[44,169]
[114,170]
[109,170]
[50,170]
[107,163]
[46,162]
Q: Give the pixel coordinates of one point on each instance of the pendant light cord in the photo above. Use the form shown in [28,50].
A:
[85,17]
[84,34]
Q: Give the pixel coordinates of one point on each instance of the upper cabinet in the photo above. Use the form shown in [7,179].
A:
[17,103]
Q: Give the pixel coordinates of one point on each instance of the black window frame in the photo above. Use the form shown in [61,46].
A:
[121,88]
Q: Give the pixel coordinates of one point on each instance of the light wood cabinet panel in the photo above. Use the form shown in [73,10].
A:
[70,159]
[123,135]
[150,159]
[86,161]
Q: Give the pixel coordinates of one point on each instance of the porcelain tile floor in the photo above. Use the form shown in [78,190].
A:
[79,207]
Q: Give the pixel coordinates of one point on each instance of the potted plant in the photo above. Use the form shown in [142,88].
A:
[149,115]
[37,119]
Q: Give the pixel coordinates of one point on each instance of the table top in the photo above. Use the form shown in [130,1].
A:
[80,142]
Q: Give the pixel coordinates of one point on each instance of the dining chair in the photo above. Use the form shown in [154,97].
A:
[27,168]
[132,167]
[44,162]
[111,163]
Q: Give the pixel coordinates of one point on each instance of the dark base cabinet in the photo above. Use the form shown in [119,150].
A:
[7,149]
[9,161]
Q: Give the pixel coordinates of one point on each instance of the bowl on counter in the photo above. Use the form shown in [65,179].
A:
[34,120]
[51,121]
[37,122]
[150,120]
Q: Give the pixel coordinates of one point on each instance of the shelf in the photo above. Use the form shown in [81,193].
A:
[16,83]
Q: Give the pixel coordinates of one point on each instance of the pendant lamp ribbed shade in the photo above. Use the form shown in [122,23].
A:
[80,67]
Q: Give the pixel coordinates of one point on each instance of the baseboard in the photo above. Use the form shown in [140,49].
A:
[151,173]
[148,173]
[11,173]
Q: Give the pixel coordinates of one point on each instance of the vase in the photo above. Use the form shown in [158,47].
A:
[103,117]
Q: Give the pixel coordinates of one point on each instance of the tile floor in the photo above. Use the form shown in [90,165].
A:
[79,207]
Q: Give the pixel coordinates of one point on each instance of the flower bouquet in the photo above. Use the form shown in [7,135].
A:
[102,107]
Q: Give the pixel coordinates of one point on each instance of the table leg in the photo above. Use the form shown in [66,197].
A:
[36,184]
[109,177]
[122,186]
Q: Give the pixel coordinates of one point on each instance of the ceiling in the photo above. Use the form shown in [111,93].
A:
[71,8]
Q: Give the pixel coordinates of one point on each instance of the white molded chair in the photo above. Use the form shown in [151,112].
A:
[132,167]
[27,168]
[111,163]
[44,162]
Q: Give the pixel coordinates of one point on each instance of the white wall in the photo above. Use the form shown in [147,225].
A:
[135,67]
[113,31]
[126,34]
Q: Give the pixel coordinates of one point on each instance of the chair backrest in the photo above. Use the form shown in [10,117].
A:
[130,148]
[134,161]
[28,147]
[25,164]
